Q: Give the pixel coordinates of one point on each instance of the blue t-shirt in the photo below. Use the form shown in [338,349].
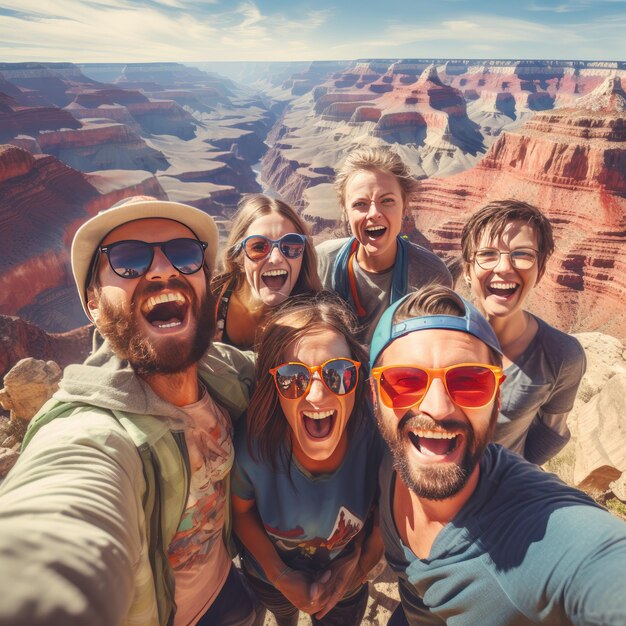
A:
[525,549]
[310,519]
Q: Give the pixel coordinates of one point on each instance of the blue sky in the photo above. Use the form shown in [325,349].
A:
[297,30]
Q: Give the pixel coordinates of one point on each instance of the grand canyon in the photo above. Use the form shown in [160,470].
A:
[75,139]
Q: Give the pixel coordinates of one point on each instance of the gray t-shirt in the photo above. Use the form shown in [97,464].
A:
[524,549]
[374,288]
[538,393]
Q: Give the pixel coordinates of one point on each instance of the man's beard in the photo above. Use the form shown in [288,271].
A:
[122,329]
[438,481]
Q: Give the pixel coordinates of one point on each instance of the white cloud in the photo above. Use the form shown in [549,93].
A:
[170,30]
[483,47]
[197,30]
[560,8]
[481,28]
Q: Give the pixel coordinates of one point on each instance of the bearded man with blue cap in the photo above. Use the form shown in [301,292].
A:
[476,534]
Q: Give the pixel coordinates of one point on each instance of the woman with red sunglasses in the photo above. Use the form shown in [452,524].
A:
[268,258]
[376,266]
[305,477]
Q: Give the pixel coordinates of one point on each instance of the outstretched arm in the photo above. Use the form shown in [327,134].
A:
[71,526]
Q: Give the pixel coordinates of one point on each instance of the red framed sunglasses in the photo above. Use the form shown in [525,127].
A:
[469,385]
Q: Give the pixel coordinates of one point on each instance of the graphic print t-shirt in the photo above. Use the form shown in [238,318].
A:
[197,553]
[310,519]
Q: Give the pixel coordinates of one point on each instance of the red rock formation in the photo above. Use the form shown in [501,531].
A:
[425,114]
[19,339]
[14,163]
[42,203]
[113,112]
[95,98]
[571,162]
[51,83]
[101,146]
[534,85]
[18,120]
[324,101]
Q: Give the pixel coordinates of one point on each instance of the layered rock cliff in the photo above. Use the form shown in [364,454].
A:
[570,162]
[165,118]
[102,146]
[19,120]
[371,104]
[42,203]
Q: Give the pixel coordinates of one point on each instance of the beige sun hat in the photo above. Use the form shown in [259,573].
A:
[89,236]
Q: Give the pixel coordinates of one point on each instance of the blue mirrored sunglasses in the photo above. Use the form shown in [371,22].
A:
[259,247]
[132,258]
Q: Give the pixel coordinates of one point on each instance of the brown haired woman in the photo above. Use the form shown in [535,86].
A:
[376,266]
[305,477]
[268,257]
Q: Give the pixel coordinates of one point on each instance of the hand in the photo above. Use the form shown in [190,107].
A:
[301,590]
[343,575]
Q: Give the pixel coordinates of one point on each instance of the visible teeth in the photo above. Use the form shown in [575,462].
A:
[434,434]
[160,299]
[503,285]
[318,415]
[275,273]
[371,229]
[170,325]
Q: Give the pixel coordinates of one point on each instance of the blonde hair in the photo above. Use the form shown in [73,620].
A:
[371,159]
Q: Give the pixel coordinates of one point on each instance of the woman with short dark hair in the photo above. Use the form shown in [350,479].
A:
[506,246]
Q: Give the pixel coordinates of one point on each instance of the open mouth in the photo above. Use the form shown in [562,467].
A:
[167,310]
[375,232]
[434,442]
[274,279]
[502,290]
[318,424]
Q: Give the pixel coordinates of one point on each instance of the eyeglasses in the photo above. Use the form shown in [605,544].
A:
[131,258]
[259,247]
[521,258]
[469,385]
[293,380]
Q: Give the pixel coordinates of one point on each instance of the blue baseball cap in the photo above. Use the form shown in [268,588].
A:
[472,323]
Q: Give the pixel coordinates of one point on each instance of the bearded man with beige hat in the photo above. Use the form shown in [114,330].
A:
[117,511]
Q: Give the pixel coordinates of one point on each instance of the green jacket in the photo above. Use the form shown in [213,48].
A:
[110,415]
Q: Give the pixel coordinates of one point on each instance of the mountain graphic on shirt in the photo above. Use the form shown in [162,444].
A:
[318,549]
